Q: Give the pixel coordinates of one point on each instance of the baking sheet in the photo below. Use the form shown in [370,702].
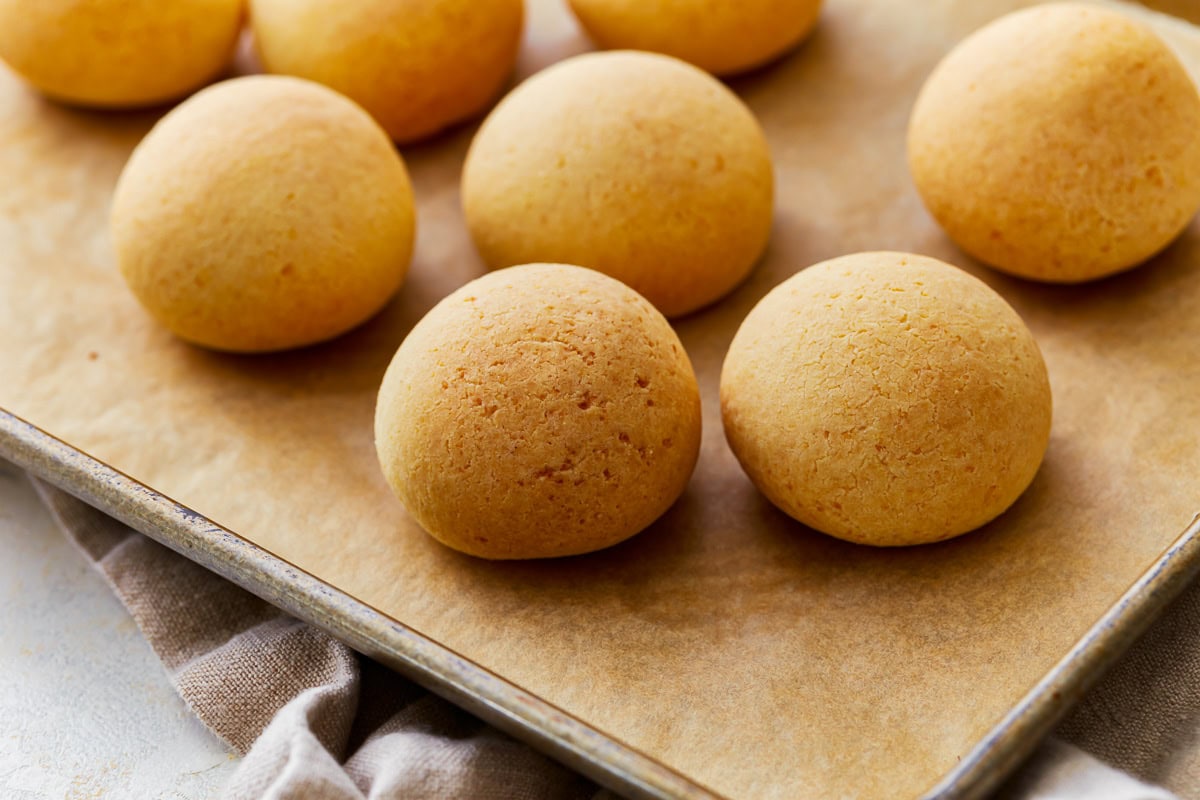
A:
[756,657]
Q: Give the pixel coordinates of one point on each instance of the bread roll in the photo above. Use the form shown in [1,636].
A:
[886,399]
[1060,143]
[418,66]
[264,213]
[543,410]
[118,53]
[635,164]
[724,37]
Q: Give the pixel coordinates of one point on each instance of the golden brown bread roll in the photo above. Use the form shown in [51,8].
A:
[722,36]
[635,164]
[886,399]
[263,213]
[118,53]
[1059,143]
[543,410]
[417,65]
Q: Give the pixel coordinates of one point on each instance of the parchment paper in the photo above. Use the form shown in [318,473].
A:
[757,657]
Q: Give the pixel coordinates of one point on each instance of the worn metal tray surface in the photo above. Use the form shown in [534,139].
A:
[727,650]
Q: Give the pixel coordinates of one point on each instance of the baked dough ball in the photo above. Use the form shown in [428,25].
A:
[417,65]
[541,411]
[263,213]
[1060,143]
[886,399]
[634,164]
[722,36]
[118,53]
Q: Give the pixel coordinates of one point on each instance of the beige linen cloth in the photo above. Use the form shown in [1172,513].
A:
[317,721]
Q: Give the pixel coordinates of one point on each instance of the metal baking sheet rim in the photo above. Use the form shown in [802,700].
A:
[523,715]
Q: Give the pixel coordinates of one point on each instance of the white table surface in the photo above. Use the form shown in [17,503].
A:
[86,710]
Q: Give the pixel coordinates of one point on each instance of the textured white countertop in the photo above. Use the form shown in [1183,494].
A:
[86,710]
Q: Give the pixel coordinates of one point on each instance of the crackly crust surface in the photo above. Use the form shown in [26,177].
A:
[542,410]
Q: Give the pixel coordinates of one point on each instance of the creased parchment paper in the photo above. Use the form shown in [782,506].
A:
[754,656]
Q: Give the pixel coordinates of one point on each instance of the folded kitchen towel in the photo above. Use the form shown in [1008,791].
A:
[317,721]
[314,719]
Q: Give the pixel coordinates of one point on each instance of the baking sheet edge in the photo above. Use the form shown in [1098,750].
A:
[525,716]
